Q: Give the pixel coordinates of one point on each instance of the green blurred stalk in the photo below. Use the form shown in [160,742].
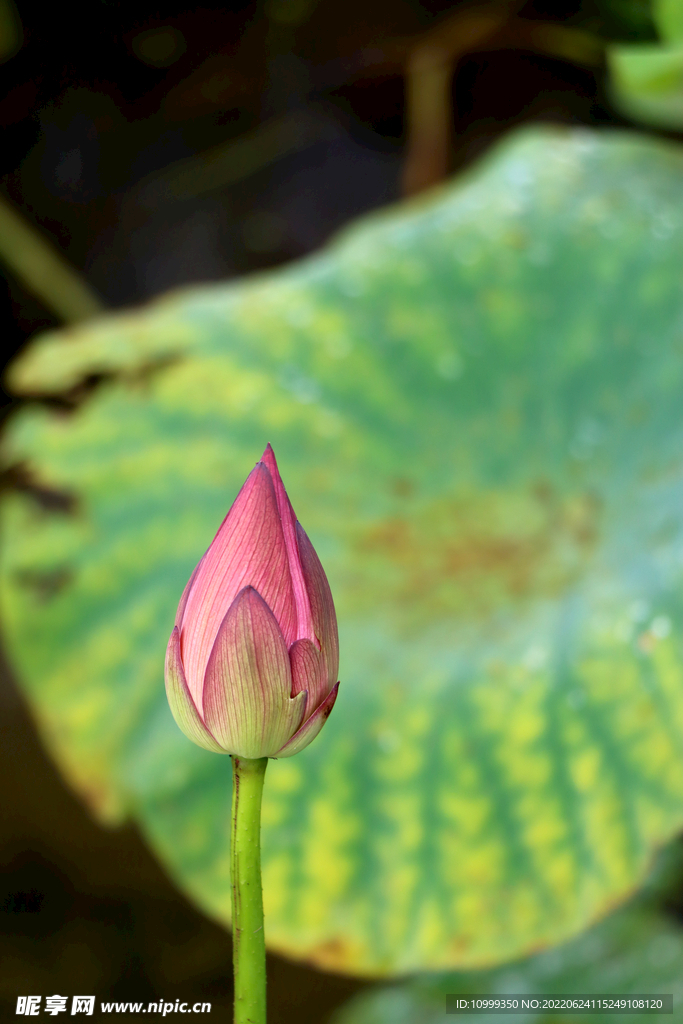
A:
[248,940]
[11,31]
[42,270]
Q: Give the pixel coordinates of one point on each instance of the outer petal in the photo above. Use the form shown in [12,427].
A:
[322,605]
[182,706]
[308,673]
[311,727]
[248,550]
[247,702]
[186,593]
[304,629]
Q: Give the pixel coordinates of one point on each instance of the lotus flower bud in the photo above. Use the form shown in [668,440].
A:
[251,666]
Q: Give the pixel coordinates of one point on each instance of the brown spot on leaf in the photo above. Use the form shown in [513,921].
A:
[471,553]
[402,487]
[335,954]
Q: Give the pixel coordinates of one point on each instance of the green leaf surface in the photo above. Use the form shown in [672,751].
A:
[633,952]
[475,401]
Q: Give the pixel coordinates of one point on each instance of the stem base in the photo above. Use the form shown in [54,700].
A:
[249,944]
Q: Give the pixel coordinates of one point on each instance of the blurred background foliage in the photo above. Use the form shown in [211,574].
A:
[648,77]
[493,370]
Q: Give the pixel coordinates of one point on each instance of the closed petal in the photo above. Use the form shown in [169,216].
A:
[311,727]
[304,628]
[322,606]
[185,594]
[247,701]
[248,550]
[180,700]
[308,673]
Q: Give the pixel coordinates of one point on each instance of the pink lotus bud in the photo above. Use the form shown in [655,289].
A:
[251,666]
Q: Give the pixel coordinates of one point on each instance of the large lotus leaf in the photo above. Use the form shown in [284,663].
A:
[633,952]
[637,950]
[475,400]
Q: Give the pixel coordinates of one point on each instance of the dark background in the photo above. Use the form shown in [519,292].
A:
[98,105]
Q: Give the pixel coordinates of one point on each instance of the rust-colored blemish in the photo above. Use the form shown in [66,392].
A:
[478,551]
[334,954]
[460,945]
[402,487]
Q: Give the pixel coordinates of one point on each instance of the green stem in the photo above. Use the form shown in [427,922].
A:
[43,270]
[248,940]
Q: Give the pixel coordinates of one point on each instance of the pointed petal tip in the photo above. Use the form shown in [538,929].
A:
[268,459]
[249,547]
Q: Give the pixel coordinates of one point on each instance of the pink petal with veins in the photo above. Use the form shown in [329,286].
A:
[304,628]
[247,694]
[248,550]
[180,700]
[322,606]
[311,727]
[308,673]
